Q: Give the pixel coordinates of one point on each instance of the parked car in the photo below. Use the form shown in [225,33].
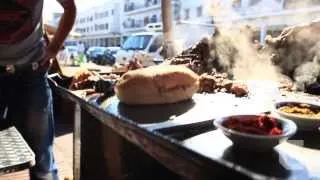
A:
[94,53]
[102,55]
[109,56]
[146,45]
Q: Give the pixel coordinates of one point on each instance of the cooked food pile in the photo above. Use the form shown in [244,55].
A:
[220,83]
[85,79]
[301,109]
[296,52]
[157,85]
[132,65]
[196,58]
[294,55]
[264,125]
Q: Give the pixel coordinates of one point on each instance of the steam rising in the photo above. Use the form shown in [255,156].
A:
[237,53]
[295,53]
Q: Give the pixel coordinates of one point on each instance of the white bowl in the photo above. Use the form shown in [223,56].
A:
[256,142]
[306,123]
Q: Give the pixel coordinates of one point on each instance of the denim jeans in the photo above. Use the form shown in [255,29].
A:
[28,98]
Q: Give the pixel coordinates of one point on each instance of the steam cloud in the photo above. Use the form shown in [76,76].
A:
[295,53]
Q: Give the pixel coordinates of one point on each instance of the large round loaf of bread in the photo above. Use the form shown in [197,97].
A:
[157,85]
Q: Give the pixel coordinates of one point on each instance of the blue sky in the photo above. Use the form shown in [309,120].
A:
[51,6]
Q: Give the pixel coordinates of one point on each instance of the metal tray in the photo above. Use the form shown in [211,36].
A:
[181,137]
[15,154]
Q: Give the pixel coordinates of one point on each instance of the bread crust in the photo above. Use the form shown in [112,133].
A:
[157,85]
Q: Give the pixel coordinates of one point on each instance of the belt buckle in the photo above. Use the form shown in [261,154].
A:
[10,69]
[35,66]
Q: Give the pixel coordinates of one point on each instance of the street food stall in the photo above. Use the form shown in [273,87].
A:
[179,140]
[184,120]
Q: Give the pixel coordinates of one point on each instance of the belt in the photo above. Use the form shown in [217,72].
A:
[14,68]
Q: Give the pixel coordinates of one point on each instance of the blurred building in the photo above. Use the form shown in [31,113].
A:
[100,26]
[110,23]
[270,16]
[137,14]
[195,11]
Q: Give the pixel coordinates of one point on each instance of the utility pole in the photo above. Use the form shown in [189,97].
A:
[167,20]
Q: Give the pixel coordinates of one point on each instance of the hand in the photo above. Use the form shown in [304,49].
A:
[47,58]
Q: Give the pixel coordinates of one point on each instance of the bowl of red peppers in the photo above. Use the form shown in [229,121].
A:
[256,132]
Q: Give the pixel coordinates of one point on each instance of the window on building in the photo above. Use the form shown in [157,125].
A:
[106,14]
[147,3]
[186,14]
[155,2]
[176,11]
[154,19]
[146,20]
[253,2]
[139,23]
[294,4]
[236,3]
[107,26]
[199,11]
[112,12]
[118,41]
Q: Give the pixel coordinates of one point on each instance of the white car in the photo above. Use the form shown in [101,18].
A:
[145,46]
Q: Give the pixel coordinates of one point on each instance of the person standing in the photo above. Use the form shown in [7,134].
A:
[24,61]
[63,55]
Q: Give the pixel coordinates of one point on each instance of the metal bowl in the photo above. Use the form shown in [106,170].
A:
[305,123]
[255,142]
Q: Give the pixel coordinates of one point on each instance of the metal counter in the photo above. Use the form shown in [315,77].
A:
[178,141]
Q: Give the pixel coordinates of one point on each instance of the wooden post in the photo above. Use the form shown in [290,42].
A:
[166,9]
[167,21]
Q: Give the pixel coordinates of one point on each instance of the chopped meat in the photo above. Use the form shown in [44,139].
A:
[220,83]
[239,90]
[85,79]
[81,80]
[136,64]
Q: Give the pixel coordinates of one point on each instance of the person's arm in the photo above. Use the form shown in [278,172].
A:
[65,25]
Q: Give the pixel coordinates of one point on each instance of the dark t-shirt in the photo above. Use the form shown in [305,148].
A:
[21,31]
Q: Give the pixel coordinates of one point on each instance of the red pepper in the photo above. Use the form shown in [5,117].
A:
[264,125]
[275,131]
